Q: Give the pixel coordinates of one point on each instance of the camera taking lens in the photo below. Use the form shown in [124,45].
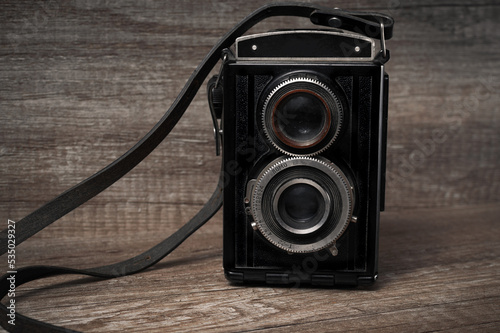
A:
[301,204]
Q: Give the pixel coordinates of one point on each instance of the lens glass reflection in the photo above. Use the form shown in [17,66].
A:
[301,119]
[301,206]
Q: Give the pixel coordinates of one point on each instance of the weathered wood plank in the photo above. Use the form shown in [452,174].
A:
[438,271]
[81,82]
[444,96]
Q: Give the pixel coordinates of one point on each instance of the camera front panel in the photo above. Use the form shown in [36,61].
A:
[304,161]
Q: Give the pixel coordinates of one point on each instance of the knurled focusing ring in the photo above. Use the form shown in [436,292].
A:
[302,116]
[302,204]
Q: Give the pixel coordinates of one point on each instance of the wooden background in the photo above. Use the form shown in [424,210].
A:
[82,81]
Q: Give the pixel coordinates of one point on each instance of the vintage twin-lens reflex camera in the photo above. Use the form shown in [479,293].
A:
[304,131]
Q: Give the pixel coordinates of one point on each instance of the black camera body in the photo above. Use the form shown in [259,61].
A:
[304,128]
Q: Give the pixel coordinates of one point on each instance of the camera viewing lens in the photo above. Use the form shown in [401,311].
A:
[301,204]
[301,119]
[302,115]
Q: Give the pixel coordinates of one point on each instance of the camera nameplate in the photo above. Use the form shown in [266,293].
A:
[306,45]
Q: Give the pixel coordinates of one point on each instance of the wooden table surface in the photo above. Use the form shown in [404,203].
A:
[439,271]
[82,81]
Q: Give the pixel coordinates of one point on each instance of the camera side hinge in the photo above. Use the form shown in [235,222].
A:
[248,198]
[215,93]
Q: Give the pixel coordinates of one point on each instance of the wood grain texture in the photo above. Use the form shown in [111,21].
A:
[438,272]
[82,81]
[444,106]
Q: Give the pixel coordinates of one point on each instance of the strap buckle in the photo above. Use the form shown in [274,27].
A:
[382,40]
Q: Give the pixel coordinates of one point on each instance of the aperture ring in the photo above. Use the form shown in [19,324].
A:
[318,172]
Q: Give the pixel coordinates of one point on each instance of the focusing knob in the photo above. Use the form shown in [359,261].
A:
[217,96]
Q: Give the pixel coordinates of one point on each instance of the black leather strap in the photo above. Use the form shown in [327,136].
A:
[76,196]
[89,188]
[127,267]
[368,24]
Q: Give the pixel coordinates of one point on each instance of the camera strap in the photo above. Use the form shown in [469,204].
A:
[373,25]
